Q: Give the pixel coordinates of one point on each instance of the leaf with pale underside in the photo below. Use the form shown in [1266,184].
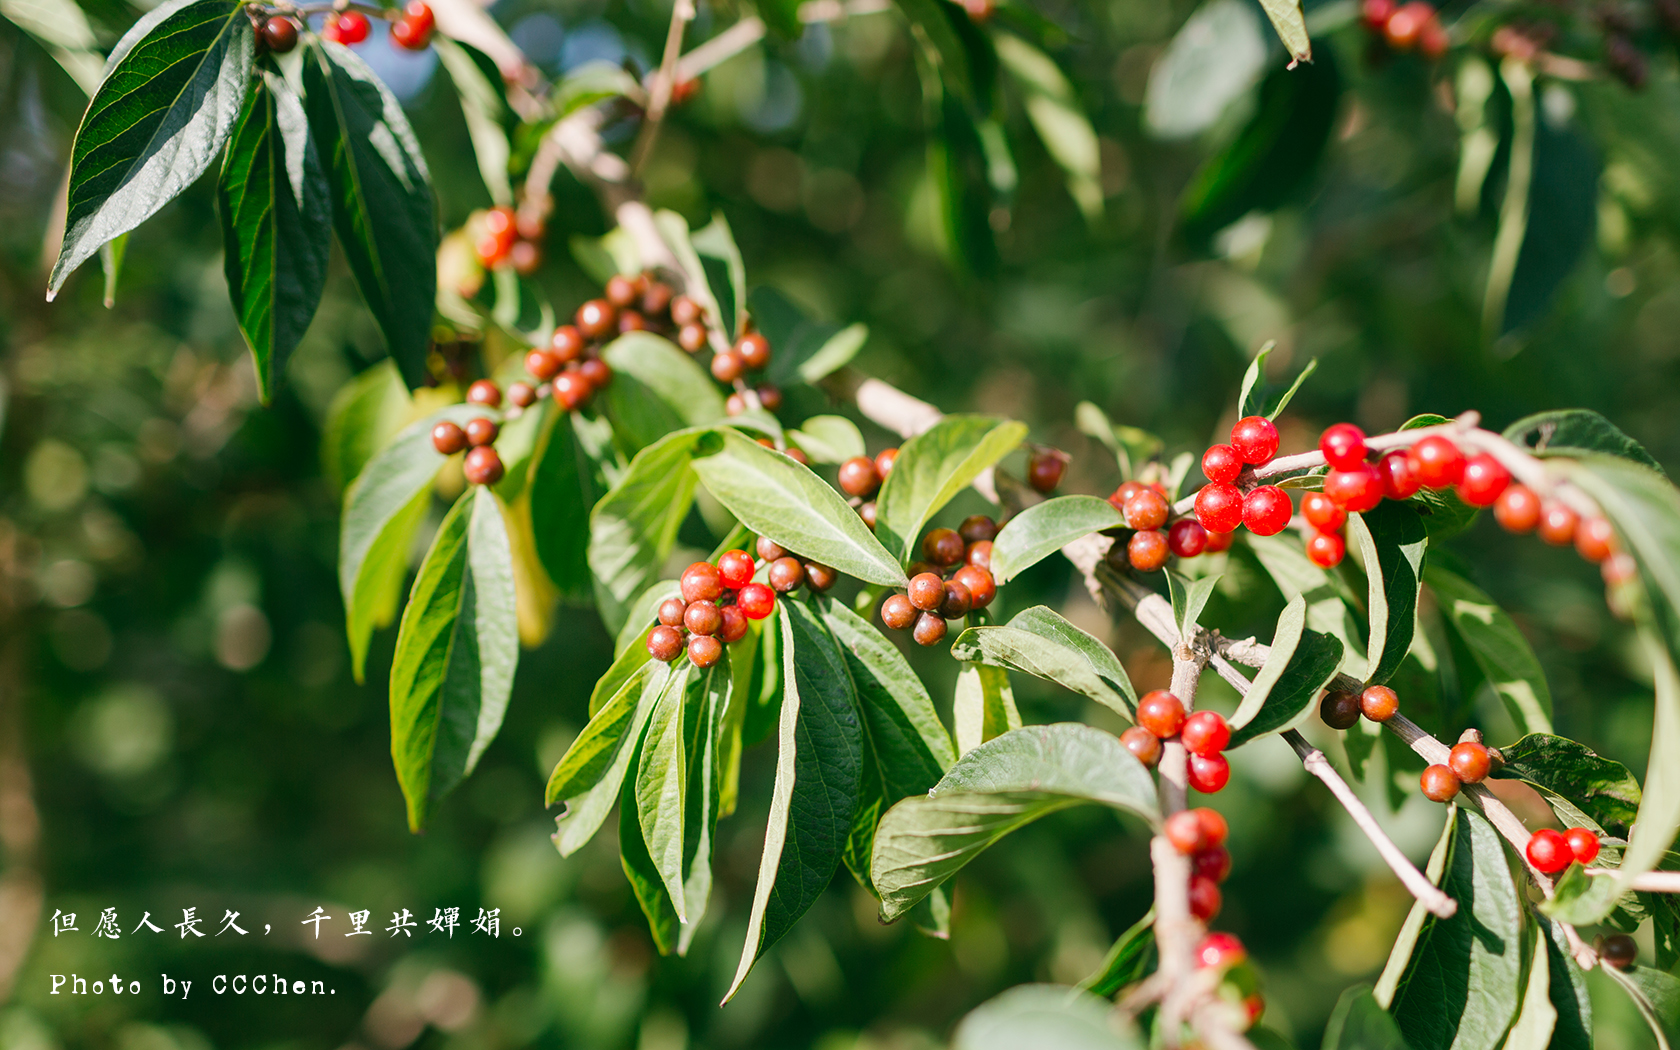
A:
[1299,664]
[1043,643]
[1045,528]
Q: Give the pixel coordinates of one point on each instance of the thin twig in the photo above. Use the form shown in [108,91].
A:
[659,92]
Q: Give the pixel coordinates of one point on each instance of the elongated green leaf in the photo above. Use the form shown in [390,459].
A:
[1657,995]
[486,114]
[363,417]
[1602,788]
[715,243]
[634,526]
[833,353]
[1659,809]
[1393,539]
[607,744]
[1291,26]
[1189,598]
[62,28]
[662,790]
[1532,1029]
[1465,979]
[1043,643]
[1255,399]
[1568,992]
[1574,432]
[1326,593]
[984,707]
[656,389]
[1046,1016]
[776,497]
[819,770]
[276,226]
[828,439]
[1498,647]
[998,787]
[382,203]
[673,230]
[1360,1023]
[587,84]
[565,482]
[966,60]
[707,702]
[1215,58]
[1405,943]
[592,753]
[456,651]
[173,90]
[381,511]
[1127,960]
[1045,528]
[1299,665]
[933,467]
[1053,107]
[639,868]
[1645,509]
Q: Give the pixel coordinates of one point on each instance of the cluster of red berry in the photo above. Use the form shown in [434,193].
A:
[715,604]
[1407,26]
[413,30]
[345,27]
[1147,511]
[483,466]
[1160,716]
[1552,851]
[1221,506]
[933,598]
[860,478]
[751,353]
[505,238]
[1200,835]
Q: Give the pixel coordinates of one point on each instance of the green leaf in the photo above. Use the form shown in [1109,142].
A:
[1580,899]
[1127,960]
[1042,643]
[1254,399]
[828,439]
[776,497]
[1392,539]
[819,770]
[1045,1017]
[1575,432]
[1465,978]
[382,204]
[782,16]
[639,868]
[486,114]
[1659,810]
[594,749]
[1498,647]
[591,776]
[111,255]
[834,353]
[363,417]
[61,28]
[1000,786]
[456,651]
[1045,528]
[382,509]
[1291,26]
[1568,992]
[984,707]
[1327,595]
[1396,969]
[173,89]
[960,176]
[1189,598]
[932,468]
[276,226]
[715,241]
[1532,1029]
[1052,105]
[1300,663]
[662,788]
[707,701]
[587,84]
[805,350]
[565,483]
[634,526]
[966,60]
[1657,995]
[1213,60]
[1602,788]
[1360,1023]
[656,389]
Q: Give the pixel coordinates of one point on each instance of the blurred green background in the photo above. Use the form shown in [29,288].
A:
[178,727]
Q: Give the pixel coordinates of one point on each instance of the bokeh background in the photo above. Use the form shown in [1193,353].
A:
[178,727]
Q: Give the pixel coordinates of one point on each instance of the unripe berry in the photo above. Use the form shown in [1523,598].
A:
[1214,863]
[1343,446]
[929,629]
[1187,538]
[1549,851]
[1557,524]
[671,612]
[754,350]
[1470,762]
[567,343]
[482,466]
[981,587]
[1146,509]
[1205,898]
[704,650]
[1220,951]
[1267,510]
[1439,784]
[1255,439]
[1619,950]
[1147,551]
[1355,491]
[701,583]
[1436,462]
[1205,733]
[858,476]
[1184,831]
[897,612]
[1322,512]
[1379,703]
[926,591]
[448,438]
[756,601]
[1326,549]
[485,392]
[1209,773]
[1583,844]
[481,431]
[943,547]
[819,577]
[734,624]
[1595,539]
[735,569]
[979,554]
[977,527]
[1045,470]
[596,319]
[1219,507]
[1484,479]
[703,617]
[1340,709]
[786,574]
[1398,480]
[1517,509]
[1161,713]
[665,643]
[1146,746]
[1221,463]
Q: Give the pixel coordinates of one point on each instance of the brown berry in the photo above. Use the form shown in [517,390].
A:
[819,577]
[897,612]
[1439,784]
[927,591]
[979,554]
[981,587]
[768,549]
[701,582]
[685,311]
[485,392]
[665,643]
[482,466]
[596,319]
[704,650]
[691,337]
[621,290]
[867,511]
[1619,950]
[567,343]
[657,299]
[279,34]
[858,476]
[943,547]
[525,257]
[703,617]
[754,350]
[631,321]
[1147,551]
[930,629]
[727,366]
[797,455]
[786,574]
[977,527]
[770,397]
[1045,470]
[734,404]
[1340,709]
[522,394]
[1379,703]
[957,601]
[671,612]
[448,438]
[1142,743]
[1470,762]
[481,431]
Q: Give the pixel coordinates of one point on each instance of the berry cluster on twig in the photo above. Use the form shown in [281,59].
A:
[1205,735]
[714,604]
[953,579]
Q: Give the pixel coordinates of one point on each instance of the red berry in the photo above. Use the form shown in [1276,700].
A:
[1219,951]
[1583,844]
[481,432]
[1213,862]
[1255,439]
[1484,479]
[981,587]
[884,461]
[685,310]
[420,13]
[482,466]
[1147,551]
[943,547]
[1343,446]
[1517,509]
[897,612]
[1379,703]
[352,27]
[448,438]
[1406,24]
[279,34]
[1557,524]
[754,350]
[1470,762]
[756,600]
[596,319]
[1161,713]
[1209,773]
[704,650]
[1436,462]
[522,394]
[691,337]
[621,291]
[596,372]
[701,582]
[929,630]
[1045,469]
[703,617]
[1221,463]
[1439,784]
[1126,491]
[1218,541]
[485,392]
[1146,510]
[1322,512]
[567,343]
[1326,549]
[926,591]
[1219,507]
[734,624]
[1142,743]
[329,31]
[571,390]
[1395,470]
[665,643]
[735,569]
[979,554]
[1184,830]
[671,612]
[1595,539]
[786,574]
[858,476]
[1214,826]
[1549,851]
[1357,490]
[410,35]
[1267,510]
[1187,538]
[1205,899]
[1376,13]
[727,366]
[1205,733]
